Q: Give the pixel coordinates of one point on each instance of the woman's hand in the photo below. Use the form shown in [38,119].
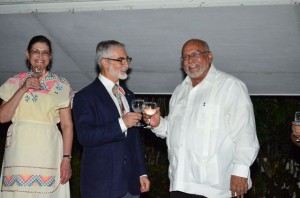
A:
[31,83]
[65,170]
[295,135]
[8,108]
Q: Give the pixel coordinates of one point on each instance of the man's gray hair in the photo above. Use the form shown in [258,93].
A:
[104,50]
[199,41]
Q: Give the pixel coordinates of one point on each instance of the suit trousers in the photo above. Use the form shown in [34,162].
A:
[128,195]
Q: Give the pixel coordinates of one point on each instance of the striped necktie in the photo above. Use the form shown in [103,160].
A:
[118,93]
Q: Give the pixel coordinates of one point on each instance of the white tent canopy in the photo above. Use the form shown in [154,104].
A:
[256,41]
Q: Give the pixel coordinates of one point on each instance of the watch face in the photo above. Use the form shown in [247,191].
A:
[67,156]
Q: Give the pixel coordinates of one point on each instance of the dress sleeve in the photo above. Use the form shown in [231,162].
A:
[9,88]
[66,93]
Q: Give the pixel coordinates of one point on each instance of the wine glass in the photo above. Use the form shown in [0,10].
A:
[150,109]
[37,72]
[138,106]
[297,119]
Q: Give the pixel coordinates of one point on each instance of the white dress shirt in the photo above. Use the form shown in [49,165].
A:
[211,135]
[108,84]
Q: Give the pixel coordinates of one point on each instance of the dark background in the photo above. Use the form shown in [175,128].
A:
[275,172]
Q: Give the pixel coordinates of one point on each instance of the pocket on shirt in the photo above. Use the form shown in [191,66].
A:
[209,112]
[205,170]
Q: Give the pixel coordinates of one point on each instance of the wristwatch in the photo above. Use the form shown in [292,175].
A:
[68,156]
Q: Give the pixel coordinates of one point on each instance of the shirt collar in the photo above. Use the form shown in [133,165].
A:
[108,84]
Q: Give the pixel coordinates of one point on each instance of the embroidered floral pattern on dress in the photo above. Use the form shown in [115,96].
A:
[27,98]
[34,97]
[59,87]
[45,85]
[28,180]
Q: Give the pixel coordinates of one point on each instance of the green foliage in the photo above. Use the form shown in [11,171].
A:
[277,166]
[156,156]
[157,163]
[75,180]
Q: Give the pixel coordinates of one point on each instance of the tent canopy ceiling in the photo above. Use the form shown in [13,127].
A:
[258,43]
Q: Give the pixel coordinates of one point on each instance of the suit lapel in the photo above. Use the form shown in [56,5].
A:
[103,94]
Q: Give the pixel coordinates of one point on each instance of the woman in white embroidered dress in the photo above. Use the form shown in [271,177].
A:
[37,155]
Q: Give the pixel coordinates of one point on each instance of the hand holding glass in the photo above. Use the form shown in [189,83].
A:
[138,107]
[150,109]
[297,119]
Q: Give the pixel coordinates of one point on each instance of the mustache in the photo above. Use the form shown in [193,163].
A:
[192,65]
[124,69]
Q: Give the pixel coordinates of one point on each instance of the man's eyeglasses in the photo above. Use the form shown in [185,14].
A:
[40,53]
[193,55]
[121,59]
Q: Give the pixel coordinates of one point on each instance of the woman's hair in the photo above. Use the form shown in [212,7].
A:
[39,39]
[104,50]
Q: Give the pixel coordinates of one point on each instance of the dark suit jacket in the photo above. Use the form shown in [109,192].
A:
[111,163]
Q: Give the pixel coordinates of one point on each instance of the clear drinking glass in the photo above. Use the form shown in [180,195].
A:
[150,109]
[36,72]
[138,107]
[297,119]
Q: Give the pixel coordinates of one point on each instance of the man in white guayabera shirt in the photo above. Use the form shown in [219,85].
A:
[210,130]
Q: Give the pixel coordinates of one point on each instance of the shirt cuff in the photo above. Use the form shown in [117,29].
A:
[161,129]
[122,125]
[241,171]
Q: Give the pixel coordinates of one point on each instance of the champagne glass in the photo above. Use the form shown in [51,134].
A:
[138,106]
[37,72]
[297,119]
[150,109]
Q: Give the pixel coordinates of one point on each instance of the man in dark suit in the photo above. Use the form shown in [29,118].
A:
[112,161]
